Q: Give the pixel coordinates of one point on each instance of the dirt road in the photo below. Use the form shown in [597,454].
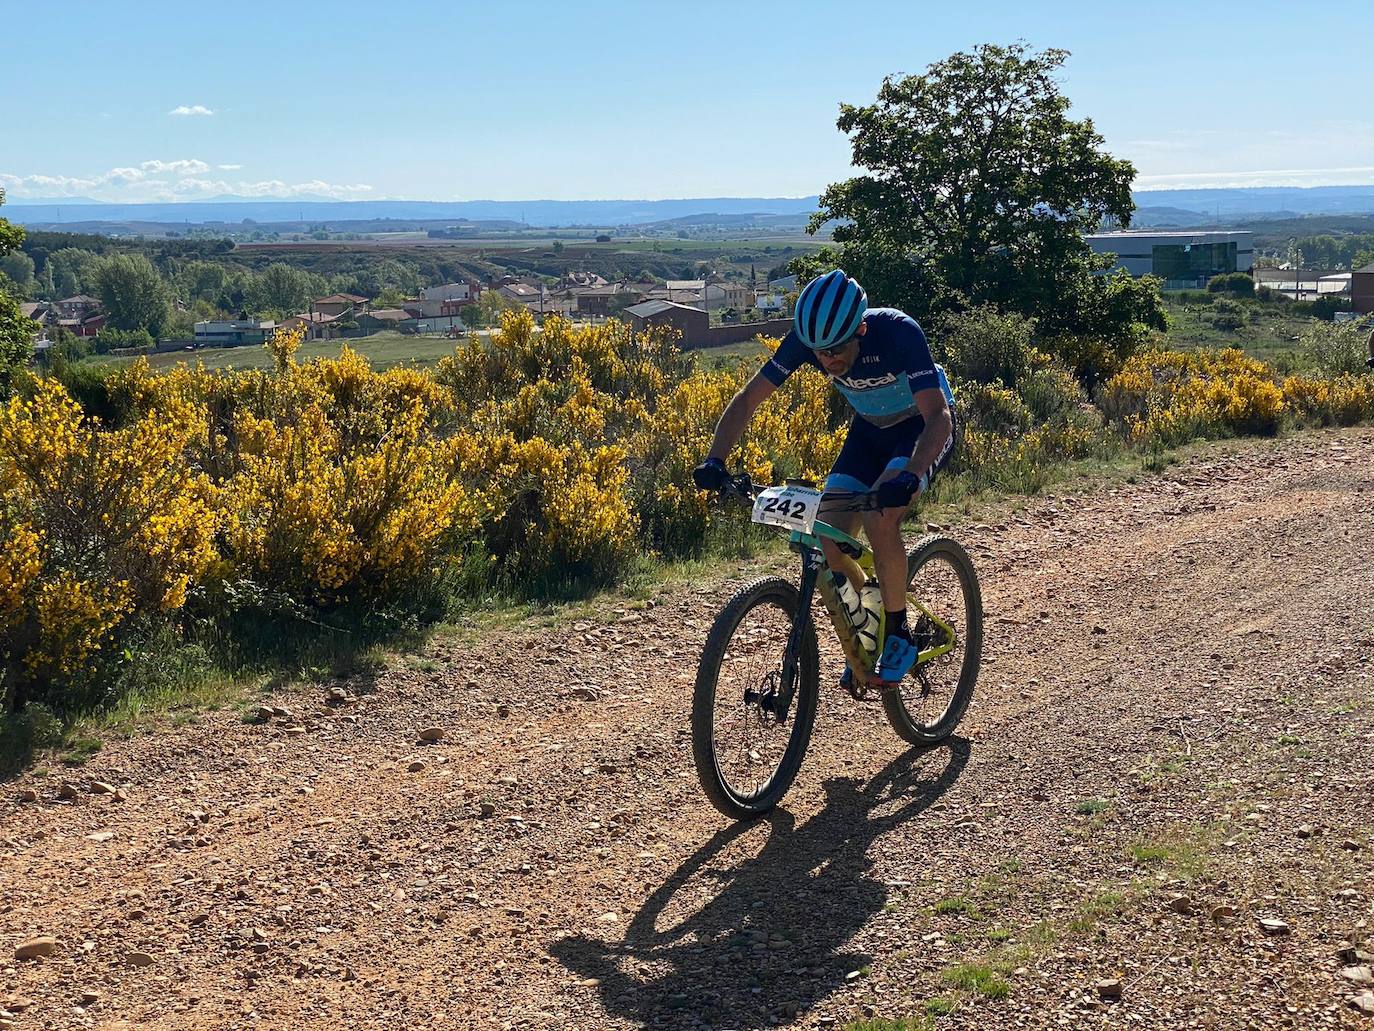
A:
[1172,740]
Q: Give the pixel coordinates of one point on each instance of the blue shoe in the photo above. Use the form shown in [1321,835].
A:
[847,679]
[898,656]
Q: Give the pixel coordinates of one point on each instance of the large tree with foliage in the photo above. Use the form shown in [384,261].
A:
[73,270]
[284,290]
[133,293]
[977,188]
[16,331]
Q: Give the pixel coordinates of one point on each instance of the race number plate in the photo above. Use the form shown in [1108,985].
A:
[791,507]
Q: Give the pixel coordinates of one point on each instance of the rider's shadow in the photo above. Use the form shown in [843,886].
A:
[768,940]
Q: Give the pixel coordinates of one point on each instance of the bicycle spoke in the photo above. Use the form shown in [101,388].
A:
[749,742]
[929,691]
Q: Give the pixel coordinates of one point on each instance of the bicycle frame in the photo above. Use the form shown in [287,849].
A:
[809,546]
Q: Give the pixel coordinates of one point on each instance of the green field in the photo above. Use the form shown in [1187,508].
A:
[1270,332]
[383,349]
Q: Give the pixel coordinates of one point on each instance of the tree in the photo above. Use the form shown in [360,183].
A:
[558,247]
[18,268]
[133,293]
[73,269]
[978,189]
[283,289]
[471,314]
[201,280]
[16,331]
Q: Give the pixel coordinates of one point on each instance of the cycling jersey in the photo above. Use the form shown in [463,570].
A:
[892,365]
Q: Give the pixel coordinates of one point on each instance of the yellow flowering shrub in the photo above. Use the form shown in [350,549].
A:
[1168,397]
[103,526]
[1343,401]
[541,460]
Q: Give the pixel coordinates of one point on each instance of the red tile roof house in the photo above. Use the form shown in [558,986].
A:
[85,327]
[78,307]
[337,304]
[597,300]
[317,325]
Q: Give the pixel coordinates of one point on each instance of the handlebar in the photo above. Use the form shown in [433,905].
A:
[741,488]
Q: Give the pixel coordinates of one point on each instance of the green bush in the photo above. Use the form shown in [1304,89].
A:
[1053,395]
[984,345]
[1337,348]
[1191,297]
[1323,308]
[1091,358]
[111,339]
[1239,284]
[993,408]
[1227,315]
[89,386]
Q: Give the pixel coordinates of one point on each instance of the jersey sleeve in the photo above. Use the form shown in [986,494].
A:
[787,359]
[916,356]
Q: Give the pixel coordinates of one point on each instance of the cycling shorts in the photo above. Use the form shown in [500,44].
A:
[869,451]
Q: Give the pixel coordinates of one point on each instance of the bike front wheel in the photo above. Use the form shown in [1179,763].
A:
[746,747]
[947,621]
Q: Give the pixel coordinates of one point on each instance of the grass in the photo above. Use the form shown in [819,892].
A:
[954,905]
[891,1024]
[1180,851]
[1102,905]
[940,1006]
[1270,332]
[1092,806]
[979,978]
[382,349]
[80,748]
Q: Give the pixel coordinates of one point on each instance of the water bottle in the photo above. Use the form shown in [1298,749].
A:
[861,617]
[872,601]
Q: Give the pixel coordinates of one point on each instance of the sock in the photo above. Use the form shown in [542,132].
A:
[896,623]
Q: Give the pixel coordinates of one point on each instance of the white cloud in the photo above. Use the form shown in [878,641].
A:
[158,180]
[1350,175]
[191,109]
[228,168]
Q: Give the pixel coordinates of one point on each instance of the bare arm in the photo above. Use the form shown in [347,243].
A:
[939,425]
[737,414]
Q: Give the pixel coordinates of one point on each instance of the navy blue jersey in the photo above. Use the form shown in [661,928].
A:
[893,363]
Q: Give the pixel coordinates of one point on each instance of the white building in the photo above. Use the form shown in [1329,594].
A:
[1181,259]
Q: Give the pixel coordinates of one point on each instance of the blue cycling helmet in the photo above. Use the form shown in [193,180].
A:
[829,310]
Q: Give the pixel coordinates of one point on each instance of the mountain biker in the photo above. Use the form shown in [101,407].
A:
[901,434]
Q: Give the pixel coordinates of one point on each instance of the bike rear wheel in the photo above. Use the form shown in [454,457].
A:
[929,703]
[745,757]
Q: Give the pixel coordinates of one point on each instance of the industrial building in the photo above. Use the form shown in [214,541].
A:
[1181,259]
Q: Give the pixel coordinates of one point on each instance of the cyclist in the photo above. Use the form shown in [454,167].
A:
[901,434]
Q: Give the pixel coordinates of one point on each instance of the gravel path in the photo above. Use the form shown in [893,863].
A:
[1172,741]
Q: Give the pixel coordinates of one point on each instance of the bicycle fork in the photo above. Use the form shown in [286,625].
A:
[813,561]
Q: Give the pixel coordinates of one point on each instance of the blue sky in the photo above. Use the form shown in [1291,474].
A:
[463,101]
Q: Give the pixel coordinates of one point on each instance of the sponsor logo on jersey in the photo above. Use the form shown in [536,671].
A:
[867,384]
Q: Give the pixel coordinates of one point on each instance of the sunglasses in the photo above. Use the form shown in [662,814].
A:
[834,352]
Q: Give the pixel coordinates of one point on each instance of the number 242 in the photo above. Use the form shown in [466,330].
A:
[785,508]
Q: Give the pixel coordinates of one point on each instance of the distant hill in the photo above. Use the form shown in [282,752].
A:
[1190,208]
[533,212]
[1149,216]
[1263,201]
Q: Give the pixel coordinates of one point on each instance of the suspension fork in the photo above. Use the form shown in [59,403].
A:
[813,561]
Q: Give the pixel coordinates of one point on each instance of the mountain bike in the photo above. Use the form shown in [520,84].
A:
[758,680]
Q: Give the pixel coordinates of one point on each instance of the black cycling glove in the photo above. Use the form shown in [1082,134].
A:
[710,475]
[898,491]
